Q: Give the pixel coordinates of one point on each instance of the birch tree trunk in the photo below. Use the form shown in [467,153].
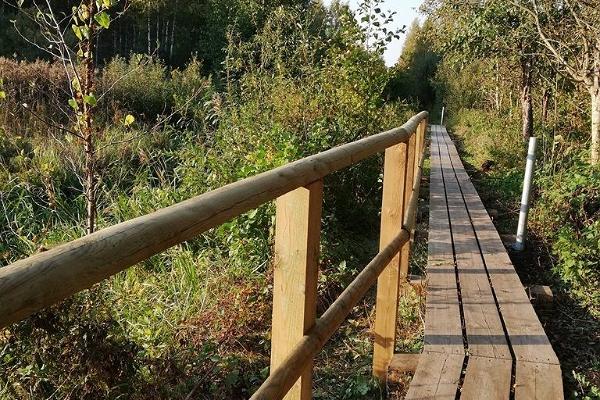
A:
[526,102]
[172,35]
[595,150]
[158,35]
[149,35]
[87,126]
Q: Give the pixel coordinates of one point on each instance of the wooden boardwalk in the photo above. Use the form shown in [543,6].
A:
[483,339]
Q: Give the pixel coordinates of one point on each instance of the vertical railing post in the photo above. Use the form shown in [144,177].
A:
[392,214]
[297,238]
[420,141]
[410,175]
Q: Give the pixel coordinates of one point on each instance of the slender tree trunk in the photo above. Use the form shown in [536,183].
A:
[545,101]
[158,35]
[172,34]
[88,128]
[595,150]
[115,38]
[497,89]
[526,102]
[166,36]
[149,35]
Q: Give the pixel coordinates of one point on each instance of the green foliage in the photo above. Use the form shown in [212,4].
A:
[489,137]
[163,329]
[568,213]
[416,68]
[593,391]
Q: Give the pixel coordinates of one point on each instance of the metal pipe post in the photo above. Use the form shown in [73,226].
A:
[442,118]
[522,227]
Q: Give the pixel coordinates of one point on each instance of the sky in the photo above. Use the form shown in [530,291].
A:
[406,12]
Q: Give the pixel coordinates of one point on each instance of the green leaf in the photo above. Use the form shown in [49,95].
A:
[2,95]
[73,104]
[75,84]
[77,32]
[85,31]
[102,19]
[91,100]
[129,119]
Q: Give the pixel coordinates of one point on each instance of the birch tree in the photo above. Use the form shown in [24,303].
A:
[84,22]
[569,31]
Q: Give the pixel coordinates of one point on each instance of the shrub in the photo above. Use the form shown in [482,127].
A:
[567,213]
[139,85]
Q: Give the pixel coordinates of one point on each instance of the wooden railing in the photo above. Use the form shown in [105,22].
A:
[39,281]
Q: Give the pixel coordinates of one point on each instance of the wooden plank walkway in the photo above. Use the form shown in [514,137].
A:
[483,339]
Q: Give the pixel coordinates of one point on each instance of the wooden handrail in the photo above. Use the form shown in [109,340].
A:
[41,280]
[282,379]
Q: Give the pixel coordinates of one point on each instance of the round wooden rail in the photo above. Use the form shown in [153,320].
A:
[41,280]
[282,379]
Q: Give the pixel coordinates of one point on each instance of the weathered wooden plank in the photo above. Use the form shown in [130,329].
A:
[538,374]
[443,331]
[526,334]
[538,381]
[437,377]
[392,216]
[485,334]
[297,234]
[404,362]
[487,378]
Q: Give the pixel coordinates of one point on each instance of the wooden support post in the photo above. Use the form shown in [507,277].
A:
[410,174]
[392,215]
[297,237]
[418,145]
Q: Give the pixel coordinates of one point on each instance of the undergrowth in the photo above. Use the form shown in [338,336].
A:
[564,228]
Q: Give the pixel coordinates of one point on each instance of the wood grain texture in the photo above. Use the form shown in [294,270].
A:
[405,362]
[392,216]
[437,377]
[409,190]
[282,378]
[538,373]
[295,276]
[527,336]
[443,331]
[538,381]
[487,378]
[485,334]
[36,282]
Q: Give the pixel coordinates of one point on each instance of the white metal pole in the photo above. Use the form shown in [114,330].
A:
[522,227]
[442,119]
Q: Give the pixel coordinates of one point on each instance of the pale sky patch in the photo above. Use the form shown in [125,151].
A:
[407,11]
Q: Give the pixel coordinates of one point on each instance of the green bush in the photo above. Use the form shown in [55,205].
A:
[138,85]
[567,212]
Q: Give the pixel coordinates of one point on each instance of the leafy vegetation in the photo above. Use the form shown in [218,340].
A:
[302,83]
[188,96]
